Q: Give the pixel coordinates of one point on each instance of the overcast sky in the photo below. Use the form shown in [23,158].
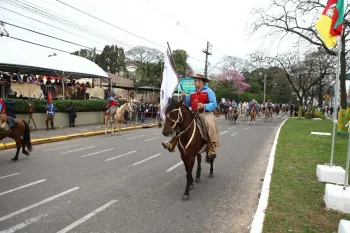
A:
[185,24]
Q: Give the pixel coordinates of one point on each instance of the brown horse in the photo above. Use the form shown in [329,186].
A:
[253,113]
[277,109]
[180,119]
[21,129]
[268,112]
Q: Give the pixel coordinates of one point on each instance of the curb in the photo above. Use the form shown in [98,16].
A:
[37,141]
[259,217]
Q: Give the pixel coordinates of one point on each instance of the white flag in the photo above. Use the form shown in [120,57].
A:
[169,83]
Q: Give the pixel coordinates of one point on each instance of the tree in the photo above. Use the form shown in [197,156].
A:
[289,17]
[233,63]
[180,58]
[142,54]
[234,80]
[86,53]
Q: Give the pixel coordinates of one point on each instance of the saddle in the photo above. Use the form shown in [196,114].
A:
[202,128]
[10,121]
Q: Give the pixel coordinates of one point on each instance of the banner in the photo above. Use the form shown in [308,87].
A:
[187,85]
[169,82]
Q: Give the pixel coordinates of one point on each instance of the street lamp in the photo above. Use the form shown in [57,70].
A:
[264,86]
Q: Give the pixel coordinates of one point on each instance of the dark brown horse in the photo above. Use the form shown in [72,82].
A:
[277,109]
[180,119]
[21,129]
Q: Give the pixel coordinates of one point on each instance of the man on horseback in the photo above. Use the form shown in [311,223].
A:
[112,104]
[203,101]
[251,104]
[234,104]
[270,104]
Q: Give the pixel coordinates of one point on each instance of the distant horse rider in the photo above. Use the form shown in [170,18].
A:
[112,104]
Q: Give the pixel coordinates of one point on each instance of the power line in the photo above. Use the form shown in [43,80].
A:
[101,20]
[30,42]
[57,18]
[43,34]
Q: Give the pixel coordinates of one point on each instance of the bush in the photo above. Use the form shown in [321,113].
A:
[22,106]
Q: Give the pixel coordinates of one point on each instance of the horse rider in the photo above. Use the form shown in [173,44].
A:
[228,105]
[251,104]
[203,100]
[3,115]
[234,104]
[270,104]
[112,104]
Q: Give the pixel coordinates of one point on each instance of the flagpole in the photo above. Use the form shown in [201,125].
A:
[178,76]
[336,97]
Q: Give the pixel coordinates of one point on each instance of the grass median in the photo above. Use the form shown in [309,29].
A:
[296,197]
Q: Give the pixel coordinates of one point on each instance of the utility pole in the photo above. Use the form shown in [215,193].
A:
[264,88]
[93,80]
[207,53]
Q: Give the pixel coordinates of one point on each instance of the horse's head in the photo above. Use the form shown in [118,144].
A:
[173,116]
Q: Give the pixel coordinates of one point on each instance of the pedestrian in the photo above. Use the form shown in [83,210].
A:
[72,114]
[50,113]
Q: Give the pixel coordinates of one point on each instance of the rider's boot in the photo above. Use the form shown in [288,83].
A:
[52,126]
[47,125]
[211,150]
[170,145]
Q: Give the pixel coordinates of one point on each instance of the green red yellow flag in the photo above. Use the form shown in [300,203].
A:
[330,23]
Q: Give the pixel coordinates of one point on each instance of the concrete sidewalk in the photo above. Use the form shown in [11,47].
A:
[47,136]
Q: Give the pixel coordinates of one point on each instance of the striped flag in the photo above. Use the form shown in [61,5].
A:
[330,23]
[169,82]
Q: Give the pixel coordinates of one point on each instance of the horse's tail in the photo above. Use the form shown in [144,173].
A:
[26,136]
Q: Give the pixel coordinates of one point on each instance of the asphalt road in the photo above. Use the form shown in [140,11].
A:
[129,183]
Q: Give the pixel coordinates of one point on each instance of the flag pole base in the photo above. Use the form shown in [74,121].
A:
[336,198]
[334,174]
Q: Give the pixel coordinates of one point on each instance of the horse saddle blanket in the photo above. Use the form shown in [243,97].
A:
[202,128]
[7,121]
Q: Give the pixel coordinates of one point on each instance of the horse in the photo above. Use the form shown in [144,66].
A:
[277,109]
[19,131]
[253,113]
[233,115]
[117,117]
[180,119]
[268,112]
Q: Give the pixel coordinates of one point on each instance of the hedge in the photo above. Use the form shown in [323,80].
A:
[22,106]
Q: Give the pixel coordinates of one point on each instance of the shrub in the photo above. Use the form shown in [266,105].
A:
[22,106]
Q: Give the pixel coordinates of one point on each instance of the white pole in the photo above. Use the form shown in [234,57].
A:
[336,100]
[346,179]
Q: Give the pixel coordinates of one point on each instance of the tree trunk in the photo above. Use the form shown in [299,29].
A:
[320,97]
[342,81]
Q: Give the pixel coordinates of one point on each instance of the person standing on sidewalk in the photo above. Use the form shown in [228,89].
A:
[50,113]
[72,114]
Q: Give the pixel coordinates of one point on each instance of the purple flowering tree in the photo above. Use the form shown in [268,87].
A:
[234,79]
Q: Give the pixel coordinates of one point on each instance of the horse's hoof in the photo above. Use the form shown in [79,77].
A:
[197,180]
[26,153]
[211,175]
[106,133]
[191,187]
[185,197]
[14,159]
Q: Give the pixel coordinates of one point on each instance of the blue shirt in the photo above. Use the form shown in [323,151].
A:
[0,107]
[209,107]
[50,109]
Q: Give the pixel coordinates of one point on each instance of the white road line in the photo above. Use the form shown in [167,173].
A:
[146,159]
[98,152]
[247,128]
[151,139]
[121,155]
[284,117]
[37,204]
[234,134]
[62,147]
[22,187]
[223,132]
[86,217]
[76,150]
[173,167]
[231,127]
[2,177]
[24,224]
[135,137]
[157,134]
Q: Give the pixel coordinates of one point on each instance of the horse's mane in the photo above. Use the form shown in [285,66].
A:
[174,104]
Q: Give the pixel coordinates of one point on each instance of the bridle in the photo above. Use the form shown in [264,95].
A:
[178,121]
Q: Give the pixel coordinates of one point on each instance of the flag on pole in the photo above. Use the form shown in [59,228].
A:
[169,82]
[330,23]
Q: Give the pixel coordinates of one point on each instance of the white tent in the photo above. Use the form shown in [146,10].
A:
[70,65]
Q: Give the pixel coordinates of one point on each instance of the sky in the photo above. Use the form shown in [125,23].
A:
[185,24]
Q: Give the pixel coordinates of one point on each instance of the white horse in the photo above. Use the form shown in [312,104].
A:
[118,117]
[244,110]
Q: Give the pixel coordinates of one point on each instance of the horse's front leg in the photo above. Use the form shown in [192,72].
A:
[199,168]
[211,174]
[189,184]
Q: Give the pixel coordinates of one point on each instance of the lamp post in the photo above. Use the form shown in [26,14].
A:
[264,88]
